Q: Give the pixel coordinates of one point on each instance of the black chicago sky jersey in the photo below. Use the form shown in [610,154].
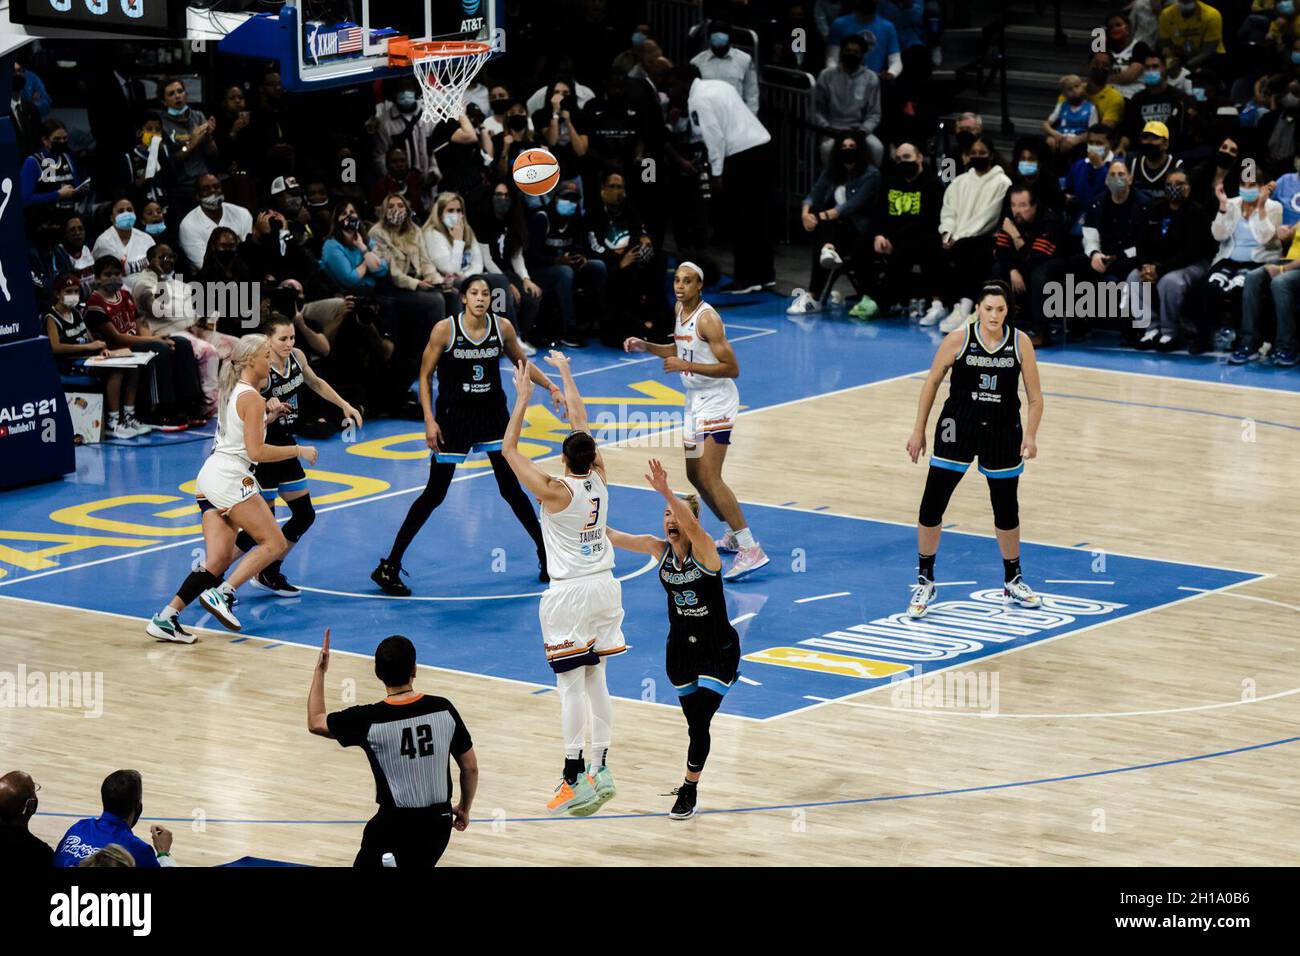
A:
[469,371]
[284,384]
[985,379]
[696,605]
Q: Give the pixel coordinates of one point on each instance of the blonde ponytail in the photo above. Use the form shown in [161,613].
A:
[243,353]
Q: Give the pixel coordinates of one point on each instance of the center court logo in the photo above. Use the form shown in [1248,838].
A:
[75,909]
[54,690]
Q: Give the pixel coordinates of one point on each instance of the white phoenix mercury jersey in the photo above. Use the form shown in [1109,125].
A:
[692,348]
[230,436]
[576,544]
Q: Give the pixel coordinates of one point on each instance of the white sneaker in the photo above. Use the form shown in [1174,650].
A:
[837,298]
[1020,593]
[934,315]
[956,318]
[527,348]
[121,430]
[915,308]
[138,426]
[830,259]
[803,304]
[1150,338]
[923,592]
[727,544]
[747,560]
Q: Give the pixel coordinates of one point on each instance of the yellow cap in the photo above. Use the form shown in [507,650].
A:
[1156,127]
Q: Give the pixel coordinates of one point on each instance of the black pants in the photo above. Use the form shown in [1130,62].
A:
[172,379]
[747,181]
[854,249]
[899,282]
[417,837]
[1029,315]
[970,261]
[1224,288]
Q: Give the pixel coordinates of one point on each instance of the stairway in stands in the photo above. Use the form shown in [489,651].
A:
[1035,63]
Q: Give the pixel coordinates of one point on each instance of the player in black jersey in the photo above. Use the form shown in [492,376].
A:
[289,373]
[465,352]
[980,419]
[703,653]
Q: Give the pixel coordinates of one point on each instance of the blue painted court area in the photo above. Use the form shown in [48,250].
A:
[821,621]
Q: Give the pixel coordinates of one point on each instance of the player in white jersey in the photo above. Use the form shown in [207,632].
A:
[582,610]
[701,353]
[228,495]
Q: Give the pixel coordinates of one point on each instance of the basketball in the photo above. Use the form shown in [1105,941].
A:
[536,171]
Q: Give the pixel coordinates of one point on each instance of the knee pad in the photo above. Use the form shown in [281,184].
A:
[244,541]
[940,483]
[194,585]
[303,513]
[1003,493]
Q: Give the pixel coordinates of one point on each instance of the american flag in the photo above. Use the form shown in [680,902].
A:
[350,40]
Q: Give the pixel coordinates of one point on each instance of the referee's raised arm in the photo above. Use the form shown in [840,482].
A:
[316,696]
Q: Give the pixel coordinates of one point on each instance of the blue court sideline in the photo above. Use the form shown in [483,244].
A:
[120,534]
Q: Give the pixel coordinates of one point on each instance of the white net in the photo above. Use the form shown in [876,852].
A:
[444,71]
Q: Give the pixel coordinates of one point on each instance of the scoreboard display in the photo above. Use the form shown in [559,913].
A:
[151,18]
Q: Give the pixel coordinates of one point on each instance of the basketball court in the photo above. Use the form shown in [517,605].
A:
[1144,715]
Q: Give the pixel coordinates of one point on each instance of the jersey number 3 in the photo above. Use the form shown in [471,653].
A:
[594,518]
[419,743]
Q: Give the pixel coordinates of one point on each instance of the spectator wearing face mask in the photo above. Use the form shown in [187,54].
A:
[1222,169]
[1086,180]
[26,118]
[398,123]
[400,178]
[556,126]
[1033,170]
[847,98]
[837,213]
[967,128]
[153,221]
[630,57]
[1128,52]
[221,264]
[455,252]
[1108,100]
[1110,240]
[71,254]
[503,232]
[633,291]
[1277,131]
[1193,28]
[65,326]
[211,212]
[498,101]
[1028,256]
[145,169]
[319,208]
[906,240]
[235,144]
[541,97]
[172,379]
[722,61]
[1069,122]
[560,260]
[517,137]
[970,213]
[121,240]
[289,202]
[49,178]
[274,250]
[1156,103]
[189,138]
[21,849]
[1152,163]
[1246,228]
[413,294]
[884,54]
[1174,249]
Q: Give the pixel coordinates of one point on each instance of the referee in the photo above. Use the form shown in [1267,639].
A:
[409,739]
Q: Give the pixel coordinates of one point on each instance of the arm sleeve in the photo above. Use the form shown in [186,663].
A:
[895,62]
[460,739]
[440,252]
[349,727]
[946,210]
[863,197]
[519,266]
[1091,241]
[1223,225]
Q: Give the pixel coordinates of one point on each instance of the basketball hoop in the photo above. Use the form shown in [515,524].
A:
[444,69]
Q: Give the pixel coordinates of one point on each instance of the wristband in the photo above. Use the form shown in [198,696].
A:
[164,853]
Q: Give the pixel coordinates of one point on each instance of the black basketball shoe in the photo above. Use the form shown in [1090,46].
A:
[389,578]
[684,806]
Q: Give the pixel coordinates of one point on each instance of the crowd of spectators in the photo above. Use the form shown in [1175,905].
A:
[1160,197]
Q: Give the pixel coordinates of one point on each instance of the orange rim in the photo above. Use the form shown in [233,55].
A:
[403,51]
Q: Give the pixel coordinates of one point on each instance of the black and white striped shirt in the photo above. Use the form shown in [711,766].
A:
[409,744]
